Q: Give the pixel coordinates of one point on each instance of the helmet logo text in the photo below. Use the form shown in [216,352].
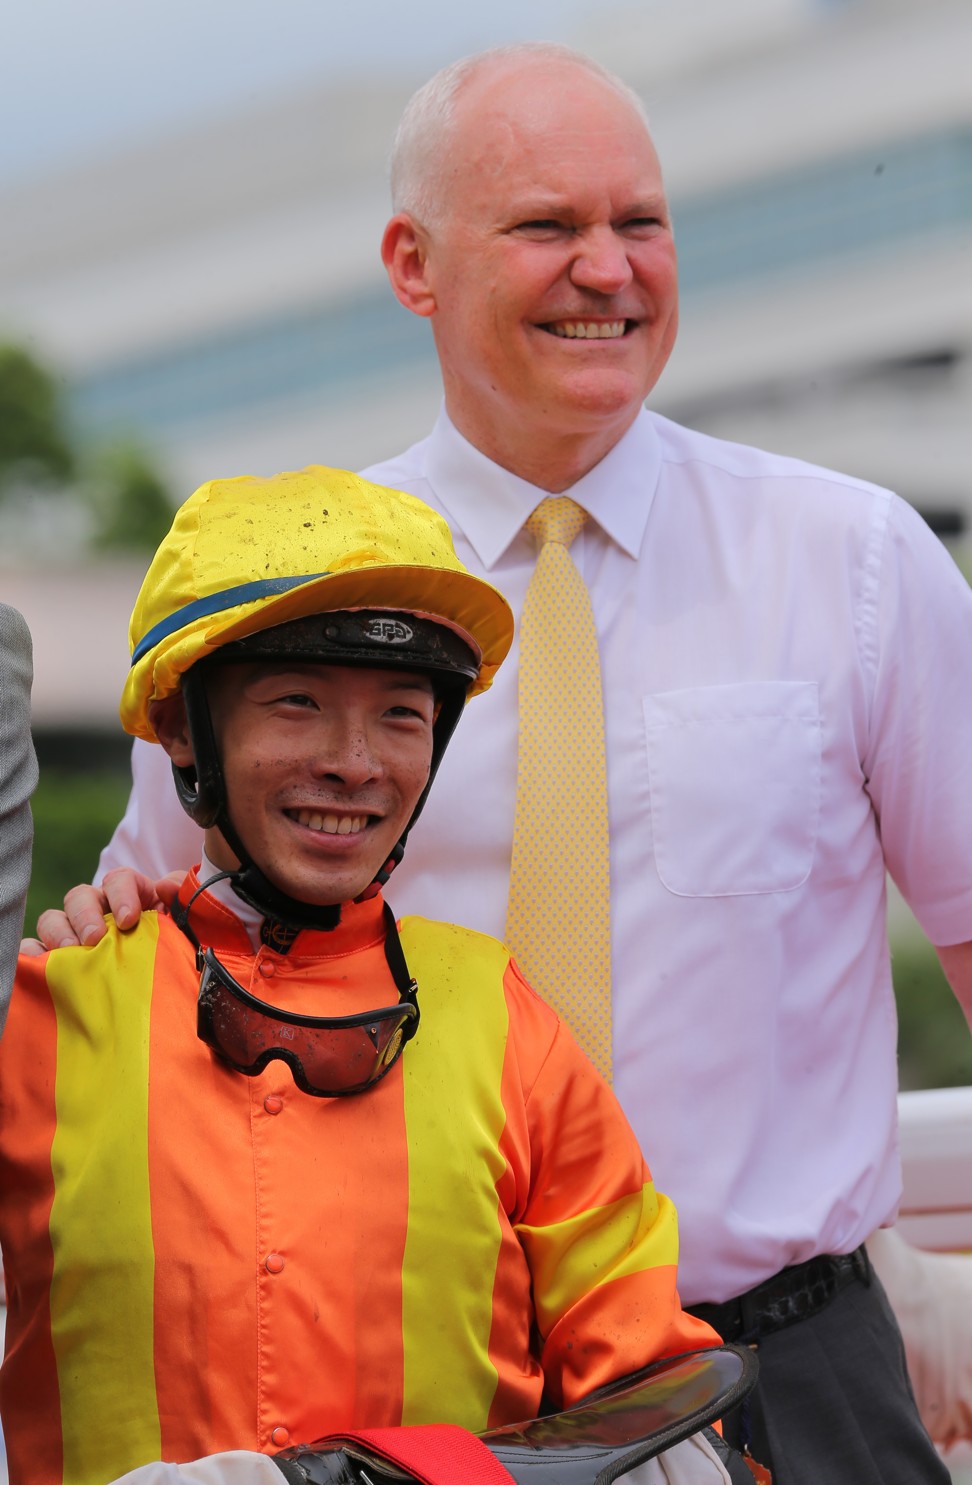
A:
[388,631]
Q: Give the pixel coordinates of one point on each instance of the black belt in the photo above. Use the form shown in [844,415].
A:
[793,1294]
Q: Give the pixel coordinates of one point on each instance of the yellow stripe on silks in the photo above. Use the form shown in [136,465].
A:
[453,1096]
[568,1258]
[102,1302]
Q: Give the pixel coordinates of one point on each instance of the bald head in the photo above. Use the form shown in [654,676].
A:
[428,145]
[532,230]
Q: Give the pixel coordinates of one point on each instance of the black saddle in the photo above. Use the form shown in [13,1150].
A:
[597,1441]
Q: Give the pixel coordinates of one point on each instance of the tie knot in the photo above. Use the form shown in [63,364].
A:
[558,518]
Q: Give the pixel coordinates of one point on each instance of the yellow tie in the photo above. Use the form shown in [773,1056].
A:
[558,920]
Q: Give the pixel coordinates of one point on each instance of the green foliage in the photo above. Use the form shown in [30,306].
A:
[74,816]
[125,503]
[35,445]
[934,1043]
[132,507]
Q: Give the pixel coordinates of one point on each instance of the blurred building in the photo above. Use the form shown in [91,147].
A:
[221,293]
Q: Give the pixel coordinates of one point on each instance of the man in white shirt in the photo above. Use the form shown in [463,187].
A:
[786,658]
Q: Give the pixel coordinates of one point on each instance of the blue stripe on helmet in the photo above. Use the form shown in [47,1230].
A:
[217,603]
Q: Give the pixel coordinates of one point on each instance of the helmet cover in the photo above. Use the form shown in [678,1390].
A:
[246,555]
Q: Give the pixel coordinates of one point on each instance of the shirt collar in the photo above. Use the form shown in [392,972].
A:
[489,505]
[249,917]
[222,920]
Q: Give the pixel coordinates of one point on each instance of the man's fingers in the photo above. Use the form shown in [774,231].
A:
[31,947]
[56,931]
[84,912]
[168,887]
[124,893]
[128,893]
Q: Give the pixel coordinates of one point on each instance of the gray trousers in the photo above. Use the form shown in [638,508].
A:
[833,1402]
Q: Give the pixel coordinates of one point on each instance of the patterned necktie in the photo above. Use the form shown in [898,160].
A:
[558,919]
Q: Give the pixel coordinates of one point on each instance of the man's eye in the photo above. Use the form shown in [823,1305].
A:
[296,698]
[541,227]
[642,226]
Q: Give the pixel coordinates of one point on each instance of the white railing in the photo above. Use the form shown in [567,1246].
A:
[936,1157]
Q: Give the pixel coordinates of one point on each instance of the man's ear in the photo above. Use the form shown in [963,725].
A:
[405,254]
[168,717]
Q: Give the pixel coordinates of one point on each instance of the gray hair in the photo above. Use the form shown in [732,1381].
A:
[420,145]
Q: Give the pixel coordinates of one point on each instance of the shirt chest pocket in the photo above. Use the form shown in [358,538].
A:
[734,776]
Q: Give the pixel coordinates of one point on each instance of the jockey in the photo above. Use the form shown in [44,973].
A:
[274,1165]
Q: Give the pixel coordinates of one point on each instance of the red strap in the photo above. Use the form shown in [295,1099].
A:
[435,1453]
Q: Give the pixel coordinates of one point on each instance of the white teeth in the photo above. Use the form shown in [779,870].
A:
[588,329]
[331,824]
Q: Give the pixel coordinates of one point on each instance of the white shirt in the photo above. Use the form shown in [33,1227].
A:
[787,661]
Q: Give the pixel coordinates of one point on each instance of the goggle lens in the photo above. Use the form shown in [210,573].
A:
[329,1056]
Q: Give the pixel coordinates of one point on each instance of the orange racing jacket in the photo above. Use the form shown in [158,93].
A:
[198,1260]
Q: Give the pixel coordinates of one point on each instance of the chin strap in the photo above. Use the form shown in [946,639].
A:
[253,888]
[278,933]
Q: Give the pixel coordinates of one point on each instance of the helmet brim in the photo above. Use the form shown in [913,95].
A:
[466,604]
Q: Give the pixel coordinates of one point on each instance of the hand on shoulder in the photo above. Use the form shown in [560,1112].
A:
[124,893]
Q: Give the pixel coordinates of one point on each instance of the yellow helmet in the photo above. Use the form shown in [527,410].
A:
[316,564]
[245,555]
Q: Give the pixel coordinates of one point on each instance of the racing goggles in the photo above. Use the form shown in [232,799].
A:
[328,1056]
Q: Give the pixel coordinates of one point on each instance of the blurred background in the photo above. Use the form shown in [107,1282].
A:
[192,197]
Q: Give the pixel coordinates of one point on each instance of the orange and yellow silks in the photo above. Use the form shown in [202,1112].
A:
[198,1260]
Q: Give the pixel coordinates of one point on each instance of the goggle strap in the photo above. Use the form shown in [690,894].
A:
[180,912]
[395,956]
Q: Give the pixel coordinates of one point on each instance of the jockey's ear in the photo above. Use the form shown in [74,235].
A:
[168,717]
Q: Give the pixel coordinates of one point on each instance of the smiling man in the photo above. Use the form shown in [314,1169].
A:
[299,836]
[540,246]
[276,1166]
[787,679]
